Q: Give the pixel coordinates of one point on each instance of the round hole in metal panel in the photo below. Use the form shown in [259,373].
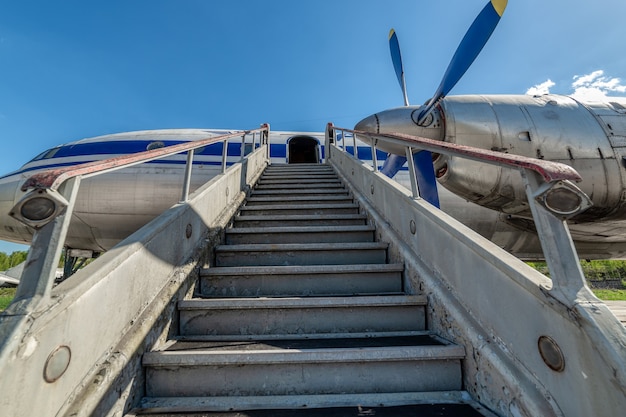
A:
[551,353]
[413,227]
[57,363]
[188,231]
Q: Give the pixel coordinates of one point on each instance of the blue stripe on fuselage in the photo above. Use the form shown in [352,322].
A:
[110,149]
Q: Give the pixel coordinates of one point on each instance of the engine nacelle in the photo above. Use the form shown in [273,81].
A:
[590,137]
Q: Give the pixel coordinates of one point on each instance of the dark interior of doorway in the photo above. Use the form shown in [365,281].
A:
[303,150]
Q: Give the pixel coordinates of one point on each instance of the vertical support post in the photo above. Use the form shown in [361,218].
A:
[329,140]
[265,138]
[243,147]
[411,163]
[224,155]
[565,271]
[43,257]
[374,157]
[187,183]
[355,152]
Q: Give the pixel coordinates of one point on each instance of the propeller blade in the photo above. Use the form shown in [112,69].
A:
[424,173]
[392,165]
[396,58]
[475,39]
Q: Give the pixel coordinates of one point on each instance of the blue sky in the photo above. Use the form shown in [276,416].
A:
[73,69]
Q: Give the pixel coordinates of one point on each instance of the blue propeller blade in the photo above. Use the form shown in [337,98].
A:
[475,39]
[392,165]
[396,58]
[424,173]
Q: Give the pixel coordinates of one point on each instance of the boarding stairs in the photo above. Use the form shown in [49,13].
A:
[317,290]
[301,311]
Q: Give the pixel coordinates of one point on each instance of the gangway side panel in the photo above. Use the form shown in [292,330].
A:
[496,306]
[82,356]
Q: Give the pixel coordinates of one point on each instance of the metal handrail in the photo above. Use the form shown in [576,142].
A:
[53,178]
[548,170]
[56,191]
[543,180]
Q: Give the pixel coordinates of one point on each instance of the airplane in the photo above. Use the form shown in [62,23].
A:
[487,199]
[589,136]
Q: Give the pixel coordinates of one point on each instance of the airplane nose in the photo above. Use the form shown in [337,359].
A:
[370,124]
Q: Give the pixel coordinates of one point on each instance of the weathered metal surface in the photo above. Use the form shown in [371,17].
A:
[498,308]
[107,319]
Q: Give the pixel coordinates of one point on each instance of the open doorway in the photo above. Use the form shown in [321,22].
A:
[303,150]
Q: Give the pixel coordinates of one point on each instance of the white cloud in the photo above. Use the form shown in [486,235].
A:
[589,87]
[540,89]
[596,86]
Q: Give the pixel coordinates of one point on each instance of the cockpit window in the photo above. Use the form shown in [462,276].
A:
[47,154]
[155,145]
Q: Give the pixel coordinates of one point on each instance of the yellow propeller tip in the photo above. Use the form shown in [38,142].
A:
[499,6]
[391,32]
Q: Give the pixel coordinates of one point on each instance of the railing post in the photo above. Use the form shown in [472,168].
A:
[355,150]
[374,157]
[187,183]
[44,255]
[329,139]
[265,138]
[563,262]
[411,163]
[224,155]
[243,147]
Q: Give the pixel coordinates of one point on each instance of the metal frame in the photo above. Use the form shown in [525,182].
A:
[540,178]
[49,237]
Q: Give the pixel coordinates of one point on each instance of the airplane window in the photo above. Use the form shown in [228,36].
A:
[155,145]
[47,154]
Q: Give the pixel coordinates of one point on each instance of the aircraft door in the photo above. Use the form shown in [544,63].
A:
[303,150]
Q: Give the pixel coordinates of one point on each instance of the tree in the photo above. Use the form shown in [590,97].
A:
[9,261]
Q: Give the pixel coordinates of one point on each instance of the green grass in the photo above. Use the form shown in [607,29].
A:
[6,295]
[612,295]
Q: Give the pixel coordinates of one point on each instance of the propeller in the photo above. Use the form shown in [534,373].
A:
[468,50]
[396,58]
[473,42]
[424,172]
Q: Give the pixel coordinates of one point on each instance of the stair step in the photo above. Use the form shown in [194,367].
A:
[334,180]
[300,191]
[318,187]
[299,220]
[297,176]
[403,404]
[301,280]
[312,209]
[297,168]
[300,336]
[309,315]
[295,234]
[301,254]
[303,367]
[290,199]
